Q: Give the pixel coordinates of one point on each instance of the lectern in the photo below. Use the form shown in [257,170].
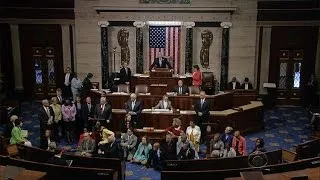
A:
[161,72]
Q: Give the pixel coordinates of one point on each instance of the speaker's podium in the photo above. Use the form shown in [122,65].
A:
[160,81]
[161,72]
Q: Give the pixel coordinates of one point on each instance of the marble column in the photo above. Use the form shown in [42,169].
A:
[104,53]
[17,67]
[225,55]
[139,46]
[189,47]
[66,45]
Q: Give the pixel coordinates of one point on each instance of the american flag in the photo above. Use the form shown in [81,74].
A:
[166,40]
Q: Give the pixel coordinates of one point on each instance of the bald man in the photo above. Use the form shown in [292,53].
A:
[133,107]
[46,116]
[160,62]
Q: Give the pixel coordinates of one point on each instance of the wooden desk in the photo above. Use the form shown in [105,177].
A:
[248,120]
[217,102]
[154,136]
[170,81]
[22,174]
[312,173]
[241,96]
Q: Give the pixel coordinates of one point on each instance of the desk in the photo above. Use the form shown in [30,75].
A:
[217,102]
[20,173]
[248,120]
[170,81]
[312,173]
[154,136]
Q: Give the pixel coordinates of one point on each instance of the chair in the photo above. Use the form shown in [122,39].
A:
[208,83]
[141,89]
[123,88]
[194,90]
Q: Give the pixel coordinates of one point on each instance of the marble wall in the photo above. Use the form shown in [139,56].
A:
[242,32]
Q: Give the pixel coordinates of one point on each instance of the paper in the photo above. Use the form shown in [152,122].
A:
[24,133]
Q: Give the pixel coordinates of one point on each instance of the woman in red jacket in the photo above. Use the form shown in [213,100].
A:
[196,76]
[239,144]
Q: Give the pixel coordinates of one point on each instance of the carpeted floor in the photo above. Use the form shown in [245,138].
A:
[284,127]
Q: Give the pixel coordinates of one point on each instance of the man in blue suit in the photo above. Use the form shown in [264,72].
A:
[227,136]
[160,62]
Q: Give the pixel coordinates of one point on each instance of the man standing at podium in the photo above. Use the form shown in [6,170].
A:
[160,62]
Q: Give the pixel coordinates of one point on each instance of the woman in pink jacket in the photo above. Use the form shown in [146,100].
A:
[69,112]
[239,144]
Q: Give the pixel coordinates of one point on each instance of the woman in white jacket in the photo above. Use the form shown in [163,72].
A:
[76,84]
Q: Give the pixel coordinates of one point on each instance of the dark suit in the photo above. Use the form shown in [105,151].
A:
[124,125]
[227,140]
[249,86]
[79,121]
[230,85]
[44,143]
[137,109]
[44,118]
[204,109]
[67,89]
[86,113]
[186,154]
[86,86]
[155,160]
[105,114]
[184,89]
[164,64]
[169,150]
[111,150]
[125,76]
[9,128]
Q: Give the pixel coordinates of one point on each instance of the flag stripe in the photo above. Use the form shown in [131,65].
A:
[167,41]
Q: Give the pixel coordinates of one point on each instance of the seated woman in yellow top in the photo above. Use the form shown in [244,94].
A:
[16,134]
[57,117]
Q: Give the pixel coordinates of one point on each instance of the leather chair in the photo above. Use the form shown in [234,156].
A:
[141,89]
[123,88]
[194,90]
[208,82]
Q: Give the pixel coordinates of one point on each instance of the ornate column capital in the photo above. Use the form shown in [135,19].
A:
[226,25]
[139,24]
[103,23]
[189,24]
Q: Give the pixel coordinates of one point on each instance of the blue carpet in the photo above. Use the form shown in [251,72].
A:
[284,127]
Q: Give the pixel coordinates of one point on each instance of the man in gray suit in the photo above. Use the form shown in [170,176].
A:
[87,146]
[164,103]
[128,144]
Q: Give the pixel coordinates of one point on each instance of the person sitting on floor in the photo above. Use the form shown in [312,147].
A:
[127,123]
[229,152]
[47,142]
[128,144]
[142,154]
[169,148]
[259,147]
[156,159]
[16,134]
[193,134]
[186,152]
[176,128]
[110,149]
[239,144]
[216,146]
[227,136]
[10,126]
[182,140]
[81,137]
[105,134]
[87,146]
